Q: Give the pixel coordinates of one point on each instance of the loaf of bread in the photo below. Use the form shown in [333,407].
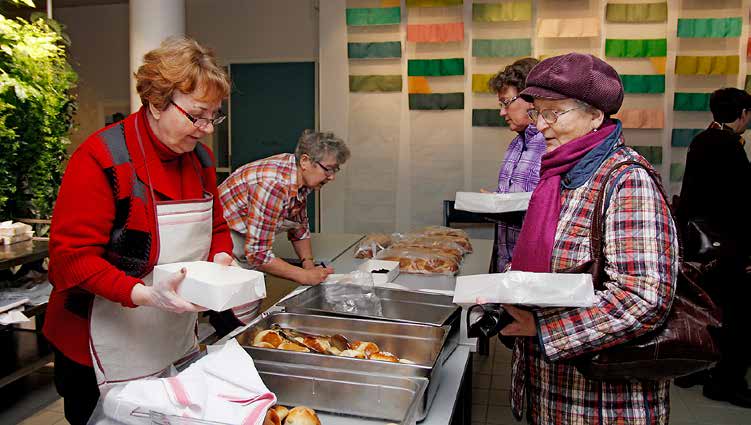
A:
[302,415]
[384,356]
[422,260]
[263,344]
[281,411]
[272,418]
[353,353]
[372,242]
[291,346]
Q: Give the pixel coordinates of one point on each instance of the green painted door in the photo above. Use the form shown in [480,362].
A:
[271,104]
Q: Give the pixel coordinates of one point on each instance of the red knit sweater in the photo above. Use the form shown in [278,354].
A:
[83,219]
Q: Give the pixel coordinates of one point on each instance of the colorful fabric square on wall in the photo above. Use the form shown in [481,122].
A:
[636,48]
[487,118]
[502,12]
[691,102]
[707,65]
[439,101]
[710,28]
[435,67]
[643,83]
[435,33]
[388,49]
[375,83]
[512,47]
[682,137]
[637,13]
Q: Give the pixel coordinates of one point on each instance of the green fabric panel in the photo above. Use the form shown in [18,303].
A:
[502,12]
[682,137]
[710,27]
[691,102]
[636,48]
[374,16]
[388,49]
[436,101]
[637,13]
[487,118]
[643,83]
[434,3]
[375,83]
[653,154]
[511,47]
[435,67]
[676,172]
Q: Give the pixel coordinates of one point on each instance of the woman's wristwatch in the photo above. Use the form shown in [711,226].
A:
[311,259]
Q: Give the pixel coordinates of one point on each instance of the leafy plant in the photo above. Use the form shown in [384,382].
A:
[36,114]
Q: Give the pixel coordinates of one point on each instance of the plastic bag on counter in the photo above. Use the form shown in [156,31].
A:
[354,297]
[422,260]
[34,293]
[445,244]
[457,236]
[372,244]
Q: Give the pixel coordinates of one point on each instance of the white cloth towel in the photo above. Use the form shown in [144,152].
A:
[222,387]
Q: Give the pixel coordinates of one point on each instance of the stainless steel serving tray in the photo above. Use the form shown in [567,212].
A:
[396,305]
[422,344]
[338,395]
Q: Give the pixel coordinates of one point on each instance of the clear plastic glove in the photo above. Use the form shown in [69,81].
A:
[163,295]
[315,275]
[223,258]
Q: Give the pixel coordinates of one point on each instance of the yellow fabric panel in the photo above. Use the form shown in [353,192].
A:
[707,65]
[480,83]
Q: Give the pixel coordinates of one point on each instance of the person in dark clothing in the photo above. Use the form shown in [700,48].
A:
[716,179]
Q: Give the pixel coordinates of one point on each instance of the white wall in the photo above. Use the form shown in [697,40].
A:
[238,30]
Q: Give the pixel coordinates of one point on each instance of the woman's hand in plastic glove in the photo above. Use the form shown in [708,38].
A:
[523,324]
[163,295]
[223,258]
[315,275]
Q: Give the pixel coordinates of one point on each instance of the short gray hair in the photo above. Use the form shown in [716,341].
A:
[320,145]
[589,108]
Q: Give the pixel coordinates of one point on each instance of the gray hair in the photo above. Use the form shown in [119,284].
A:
[589,108]
[320,145]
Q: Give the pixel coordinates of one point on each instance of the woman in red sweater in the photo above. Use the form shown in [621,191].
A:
[135,194]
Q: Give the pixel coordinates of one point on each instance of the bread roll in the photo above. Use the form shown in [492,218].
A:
[263,345]
[291,346]
[367,348]
[272,337]
[384,356]
[353,353]
[272,418]
[302,415]
[406,361]
[281,411]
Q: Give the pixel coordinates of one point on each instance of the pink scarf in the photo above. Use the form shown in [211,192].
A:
[534,248]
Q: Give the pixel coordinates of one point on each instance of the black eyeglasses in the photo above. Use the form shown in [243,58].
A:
[328,171]
[201,122]
[550,116]
[506,103]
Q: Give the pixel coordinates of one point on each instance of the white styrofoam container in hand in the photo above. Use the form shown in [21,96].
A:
[528,288]
[492,202]
[215,286]
[380,278]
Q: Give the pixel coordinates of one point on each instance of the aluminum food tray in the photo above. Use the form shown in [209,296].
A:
[396,305]
[337,396]
[423,344]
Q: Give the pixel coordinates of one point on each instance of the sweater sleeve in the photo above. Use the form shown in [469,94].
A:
[221,241]
[81,222]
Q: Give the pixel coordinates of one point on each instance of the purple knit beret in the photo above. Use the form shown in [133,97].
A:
[576,76]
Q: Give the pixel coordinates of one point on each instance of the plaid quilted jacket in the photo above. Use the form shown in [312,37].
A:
[641,251]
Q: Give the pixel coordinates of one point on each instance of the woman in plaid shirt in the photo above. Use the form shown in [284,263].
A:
[574,96]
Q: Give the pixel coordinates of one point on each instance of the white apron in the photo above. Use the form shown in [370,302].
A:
[132,343]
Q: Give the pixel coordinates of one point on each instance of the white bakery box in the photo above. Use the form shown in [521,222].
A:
[492,202]
[215,286]
[382,271]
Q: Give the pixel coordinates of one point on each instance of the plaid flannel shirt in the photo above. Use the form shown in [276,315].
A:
[258,198]
[641,251]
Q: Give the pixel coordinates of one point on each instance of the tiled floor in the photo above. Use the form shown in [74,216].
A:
[32,401]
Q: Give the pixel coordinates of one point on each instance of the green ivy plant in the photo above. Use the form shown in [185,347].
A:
[36,114]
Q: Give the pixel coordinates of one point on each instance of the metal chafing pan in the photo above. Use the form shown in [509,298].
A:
[396,305]
[422,344]
[337,396]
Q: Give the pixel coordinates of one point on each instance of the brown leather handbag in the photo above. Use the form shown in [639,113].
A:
[683,344]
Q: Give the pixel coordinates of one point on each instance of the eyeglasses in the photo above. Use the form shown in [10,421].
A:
[506,103]
[328,171]
[549,115]
[201,122]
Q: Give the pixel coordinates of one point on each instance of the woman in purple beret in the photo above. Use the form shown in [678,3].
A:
[574,96]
